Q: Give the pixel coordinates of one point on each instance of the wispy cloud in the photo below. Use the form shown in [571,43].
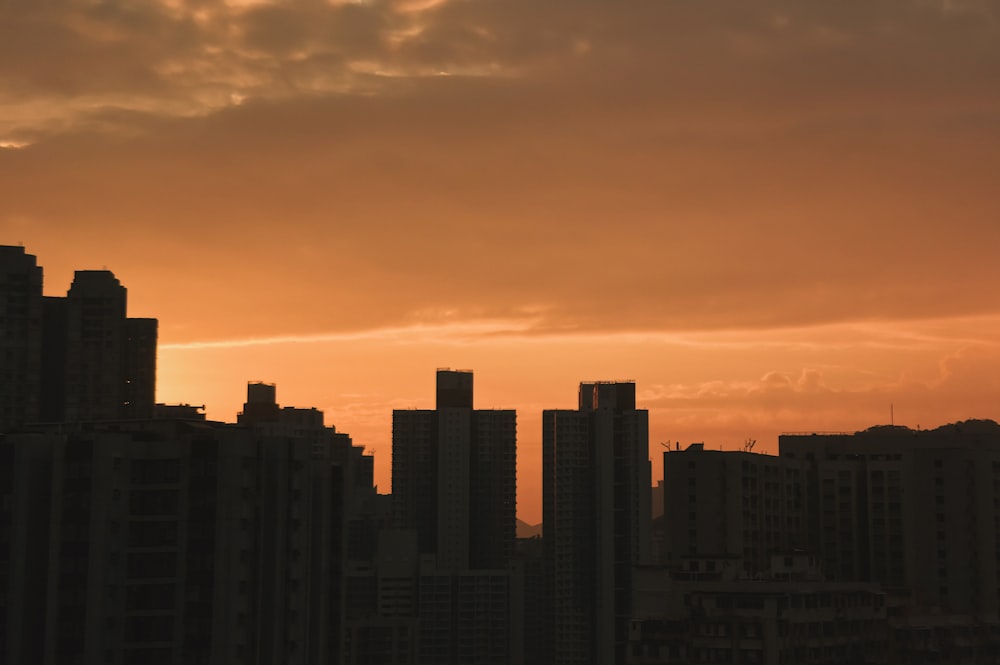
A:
[450,332]
[895,335]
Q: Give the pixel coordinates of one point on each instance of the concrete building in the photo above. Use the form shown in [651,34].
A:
[20,338]
[789,614]
[530,567]
[914,510]
[382,601]
[73,359]
[732,504]
[110,360]
[454,477]
[596,520]
[403,609]
[465,617]
[172,541]
[454,485]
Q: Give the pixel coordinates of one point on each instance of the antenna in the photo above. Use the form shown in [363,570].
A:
[892,417]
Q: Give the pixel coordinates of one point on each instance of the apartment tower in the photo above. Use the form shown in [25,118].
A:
[915,510]
[454,477]
[76,358]
[732,505]
[20,337]
[596,517]
[453,483]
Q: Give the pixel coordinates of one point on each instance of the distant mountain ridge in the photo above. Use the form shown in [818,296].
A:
[525,530]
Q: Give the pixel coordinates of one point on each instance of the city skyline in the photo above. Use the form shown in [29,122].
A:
[273,528]
[771,216]
[781,391]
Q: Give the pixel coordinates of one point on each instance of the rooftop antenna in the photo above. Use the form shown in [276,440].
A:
[892,417]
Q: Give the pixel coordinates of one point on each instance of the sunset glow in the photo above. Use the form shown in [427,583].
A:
[773,216]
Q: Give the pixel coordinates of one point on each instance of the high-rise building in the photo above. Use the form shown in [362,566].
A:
[20,338]
[140,368]
[72,359]
[596,520]
[95,347]
[175,541]
[915,510]
[454,477]
[110,369]
[454,483]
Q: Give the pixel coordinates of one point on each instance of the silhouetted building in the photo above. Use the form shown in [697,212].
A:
[381,597]
[179,412]
[454,484]
[530,559]
[72,359]
[596,517]
[173,541]
[140,368]
[20,338]
[454,477]
[262,412]
[731,503]
[916,511]
[464,617]
[788,614]
[95,347]
[261,405]
[53,379]
[454,390]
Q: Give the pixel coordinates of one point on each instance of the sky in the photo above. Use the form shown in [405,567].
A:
[773,216]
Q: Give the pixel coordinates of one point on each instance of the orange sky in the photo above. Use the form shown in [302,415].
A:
[772,215]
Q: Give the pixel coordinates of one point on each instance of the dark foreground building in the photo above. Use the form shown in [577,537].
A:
[78,358]
[711,612]
[173,542]
[596,507]
[915,510]
[454,477]
[454,507]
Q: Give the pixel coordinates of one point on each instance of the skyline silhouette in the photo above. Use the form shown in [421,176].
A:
[666,236]
[131,529]
[783,402]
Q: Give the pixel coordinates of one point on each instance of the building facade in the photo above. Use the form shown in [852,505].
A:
[596,520]
[454,477]
[454,487]
[173,541]
[786,615]
[76,358]
[732,504]
[915,510]
[20,338]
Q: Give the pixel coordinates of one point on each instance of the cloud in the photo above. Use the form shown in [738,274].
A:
[454,333]
[635,166]
[963,386]
[194,56]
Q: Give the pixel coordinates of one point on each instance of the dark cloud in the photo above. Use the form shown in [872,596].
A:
[728,55]
[638,165]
